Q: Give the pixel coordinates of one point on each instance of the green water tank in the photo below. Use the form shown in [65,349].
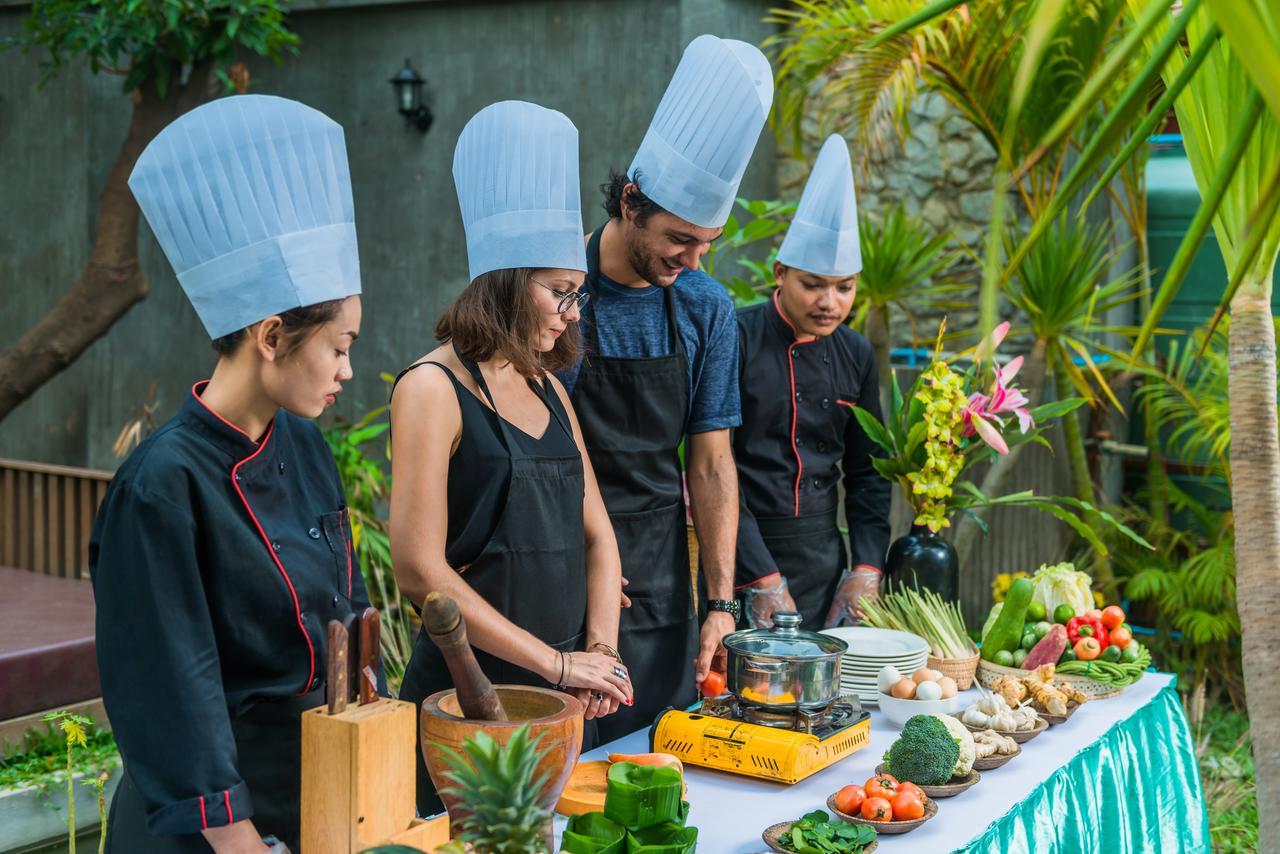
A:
[1172,202]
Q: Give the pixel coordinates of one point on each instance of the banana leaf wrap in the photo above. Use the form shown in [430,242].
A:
[665,838]
[592,833]
[640,796]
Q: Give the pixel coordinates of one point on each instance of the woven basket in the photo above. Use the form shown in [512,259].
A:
[988,673]
[959,669]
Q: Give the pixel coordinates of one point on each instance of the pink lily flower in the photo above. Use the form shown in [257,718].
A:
[982,415]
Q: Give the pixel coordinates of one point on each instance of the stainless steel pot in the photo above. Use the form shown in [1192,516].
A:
[784,667]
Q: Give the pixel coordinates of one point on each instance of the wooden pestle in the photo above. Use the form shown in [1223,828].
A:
[444,624]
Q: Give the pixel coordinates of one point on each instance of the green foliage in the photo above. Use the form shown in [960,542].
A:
[1223,748]
[904,264]
[500,787]
[367,489]
[40,759]
[738,244]
[148,41]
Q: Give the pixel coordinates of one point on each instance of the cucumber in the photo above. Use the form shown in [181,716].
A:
[1006,632]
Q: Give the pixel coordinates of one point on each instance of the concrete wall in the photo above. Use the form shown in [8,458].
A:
[604,63]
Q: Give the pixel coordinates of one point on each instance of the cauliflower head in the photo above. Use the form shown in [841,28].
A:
[964,740]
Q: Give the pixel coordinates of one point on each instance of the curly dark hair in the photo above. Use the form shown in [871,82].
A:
[615,188]
[296,326]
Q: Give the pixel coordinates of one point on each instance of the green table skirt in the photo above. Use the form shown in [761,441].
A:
[1136,789]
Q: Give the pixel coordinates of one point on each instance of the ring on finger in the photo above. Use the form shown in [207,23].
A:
[598,697]
[620,673]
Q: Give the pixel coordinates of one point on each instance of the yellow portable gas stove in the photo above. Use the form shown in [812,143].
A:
[730,734]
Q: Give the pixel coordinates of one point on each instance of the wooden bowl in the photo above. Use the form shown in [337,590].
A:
[888,827]
[950,789]
[995,760]
[1020,736]
[554,715]
[774,832]
[1055,720]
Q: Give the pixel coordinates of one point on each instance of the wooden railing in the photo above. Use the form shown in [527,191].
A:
[46,516]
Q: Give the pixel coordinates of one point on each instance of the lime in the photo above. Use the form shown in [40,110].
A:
[1029,640]
[1036,612]
[1019,656]
[1041,629]
[1004,658]
[1063,614]
[1111,653]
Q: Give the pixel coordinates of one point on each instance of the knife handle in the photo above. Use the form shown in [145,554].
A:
[370,654]
[445,626]
[336,668]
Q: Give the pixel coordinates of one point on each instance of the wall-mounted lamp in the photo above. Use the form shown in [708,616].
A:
[409,87]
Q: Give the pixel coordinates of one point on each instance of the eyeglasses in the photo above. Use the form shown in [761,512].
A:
[567,299]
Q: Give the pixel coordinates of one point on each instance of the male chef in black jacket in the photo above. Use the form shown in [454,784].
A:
[801,373]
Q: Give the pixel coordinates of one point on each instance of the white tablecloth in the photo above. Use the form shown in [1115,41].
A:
[731,811]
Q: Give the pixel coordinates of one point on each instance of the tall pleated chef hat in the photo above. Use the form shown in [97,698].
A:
[697,147]
[250,199]
[516,172]
[823,237]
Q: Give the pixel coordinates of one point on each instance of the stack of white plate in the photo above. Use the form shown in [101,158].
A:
[870,650]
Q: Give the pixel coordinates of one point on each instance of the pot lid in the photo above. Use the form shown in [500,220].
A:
[785,640]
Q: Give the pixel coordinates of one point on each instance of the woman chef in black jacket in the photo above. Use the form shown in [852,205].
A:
[493,499]
[802,372]
[223,546]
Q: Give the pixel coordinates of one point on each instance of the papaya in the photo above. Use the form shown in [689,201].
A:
[649,759]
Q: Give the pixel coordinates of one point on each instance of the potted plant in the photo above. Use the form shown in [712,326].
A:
[948,421]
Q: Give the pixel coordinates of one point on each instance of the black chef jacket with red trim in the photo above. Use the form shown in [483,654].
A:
[799,436]
[217,564]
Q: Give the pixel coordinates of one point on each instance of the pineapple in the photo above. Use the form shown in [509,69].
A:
[501,793]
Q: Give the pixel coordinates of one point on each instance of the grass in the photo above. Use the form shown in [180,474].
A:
[41,759]
[1226,771]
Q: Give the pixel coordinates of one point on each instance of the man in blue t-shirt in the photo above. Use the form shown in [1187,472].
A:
[660,371]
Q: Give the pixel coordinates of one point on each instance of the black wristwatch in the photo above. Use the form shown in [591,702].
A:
[730,606]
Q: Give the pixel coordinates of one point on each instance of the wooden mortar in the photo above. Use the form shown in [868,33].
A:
[554,715]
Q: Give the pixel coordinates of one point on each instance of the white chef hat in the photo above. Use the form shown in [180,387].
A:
[250,199]
[823,237]
[708,122]
[516,172]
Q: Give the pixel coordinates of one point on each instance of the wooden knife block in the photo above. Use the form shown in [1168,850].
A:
[358,777]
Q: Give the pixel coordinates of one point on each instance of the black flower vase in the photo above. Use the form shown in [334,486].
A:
[925,559]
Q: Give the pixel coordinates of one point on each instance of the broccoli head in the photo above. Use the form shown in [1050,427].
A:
[925,753]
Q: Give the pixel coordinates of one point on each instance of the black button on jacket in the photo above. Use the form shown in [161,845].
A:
[799,437]
[217,563]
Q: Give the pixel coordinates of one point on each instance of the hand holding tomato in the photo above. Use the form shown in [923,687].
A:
[713,685]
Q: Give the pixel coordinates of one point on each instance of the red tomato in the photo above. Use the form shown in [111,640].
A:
[1120,637]
[877,809]
[1112,616]
[849,799]
[713,685]
[1093,613]
[881,786]
[915,790]
[1087,649]
[906,806]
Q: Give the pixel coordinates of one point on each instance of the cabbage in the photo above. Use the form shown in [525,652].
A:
[1059,584]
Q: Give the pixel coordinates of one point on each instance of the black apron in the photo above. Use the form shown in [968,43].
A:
[810,554]
[633,414]
[533,571]
[269,758]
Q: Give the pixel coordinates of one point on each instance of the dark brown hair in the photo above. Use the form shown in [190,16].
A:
[616,188]
[496,314]
[296,326]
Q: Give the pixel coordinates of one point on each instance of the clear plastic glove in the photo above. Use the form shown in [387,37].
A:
[759,603]
[856,585]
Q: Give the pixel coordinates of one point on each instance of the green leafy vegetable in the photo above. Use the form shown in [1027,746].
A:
[816,833]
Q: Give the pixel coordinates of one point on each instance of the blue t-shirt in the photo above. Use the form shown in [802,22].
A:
[633,325]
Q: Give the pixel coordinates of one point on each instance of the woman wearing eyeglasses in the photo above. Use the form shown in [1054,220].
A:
[493,499]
